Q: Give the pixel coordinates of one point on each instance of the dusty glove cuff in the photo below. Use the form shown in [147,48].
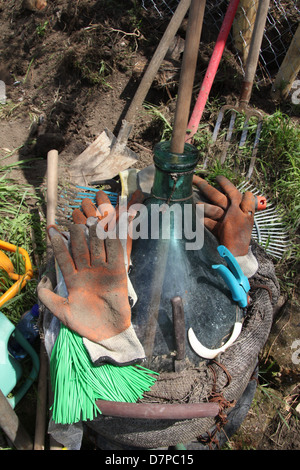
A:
[248,263]
[122,349]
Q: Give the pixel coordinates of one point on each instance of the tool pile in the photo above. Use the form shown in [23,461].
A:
[99,336]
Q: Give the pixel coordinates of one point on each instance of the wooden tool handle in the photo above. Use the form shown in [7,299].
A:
[187,75]
[41,410]
[255,45]
[157,59]
[52,181]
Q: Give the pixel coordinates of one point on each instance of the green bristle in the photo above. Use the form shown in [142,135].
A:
[77,383]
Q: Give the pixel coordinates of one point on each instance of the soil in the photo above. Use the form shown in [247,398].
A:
[70,71]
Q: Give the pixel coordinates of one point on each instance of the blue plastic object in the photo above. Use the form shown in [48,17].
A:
[83,192]
[28,327]
[233,276]
[11,369]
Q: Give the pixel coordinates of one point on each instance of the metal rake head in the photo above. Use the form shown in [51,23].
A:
[232,130]
[269,229]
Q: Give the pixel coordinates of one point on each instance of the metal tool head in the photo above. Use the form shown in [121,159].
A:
[233,131]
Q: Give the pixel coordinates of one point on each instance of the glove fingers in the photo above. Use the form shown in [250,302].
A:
[107,216]
[105,210]
[89,208]
[53,302]
[230,190]
[54,230]
[62,255]
[211,211]
[102,198]
[248,203]
[97,249]
[210,224]
[134,204]
[78,217]
[79,247]
[45,283]
[210,193]
[136,198]
[114,253]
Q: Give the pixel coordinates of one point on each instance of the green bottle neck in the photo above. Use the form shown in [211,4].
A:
[172,187]
[174,173]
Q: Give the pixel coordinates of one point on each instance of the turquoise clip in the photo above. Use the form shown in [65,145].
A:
[234,277]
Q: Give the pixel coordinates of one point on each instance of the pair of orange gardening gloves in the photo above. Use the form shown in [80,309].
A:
[97,306]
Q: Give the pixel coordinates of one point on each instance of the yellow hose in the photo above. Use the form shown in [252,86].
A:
[21,279]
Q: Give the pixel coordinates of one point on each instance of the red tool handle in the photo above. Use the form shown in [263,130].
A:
[211,70]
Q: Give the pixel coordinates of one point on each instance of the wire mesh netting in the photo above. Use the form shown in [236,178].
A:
[281,25]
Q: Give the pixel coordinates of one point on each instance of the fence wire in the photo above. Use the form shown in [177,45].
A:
[282,22]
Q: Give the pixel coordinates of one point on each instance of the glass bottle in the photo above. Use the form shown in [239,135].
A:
[167,263]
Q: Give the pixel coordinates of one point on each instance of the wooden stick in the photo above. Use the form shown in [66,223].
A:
[157,59]
[187,75]
[52,181]
[289,68]
[254,50]
[41,410]
[243,26]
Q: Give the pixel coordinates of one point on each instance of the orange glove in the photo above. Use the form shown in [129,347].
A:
[105,214]
[103,209]
[97,306]
[229,215]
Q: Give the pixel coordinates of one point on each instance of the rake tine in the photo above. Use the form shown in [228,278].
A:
[217,130]
[230,131]
[255,148]
[269,230]
[244,135]
[244,132]
[228,136]
[218,124]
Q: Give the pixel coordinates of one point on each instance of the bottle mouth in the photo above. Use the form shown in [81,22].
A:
[169,161]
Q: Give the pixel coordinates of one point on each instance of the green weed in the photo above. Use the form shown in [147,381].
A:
[165,132]
[41,29]
[279,159]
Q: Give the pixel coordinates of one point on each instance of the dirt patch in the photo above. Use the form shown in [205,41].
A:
[68,68]
[70,72]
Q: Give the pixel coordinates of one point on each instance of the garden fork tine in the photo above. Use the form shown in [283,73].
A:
[247,85]
[248,114]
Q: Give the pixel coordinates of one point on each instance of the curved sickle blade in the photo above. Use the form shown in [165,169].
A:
[206,353]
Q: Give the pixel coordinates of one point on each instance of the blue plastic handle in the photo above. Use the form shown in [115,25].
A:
[234,277]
